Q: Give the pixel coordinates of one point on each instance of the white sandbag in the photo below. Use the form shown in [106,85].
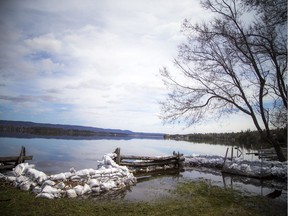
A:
[51,190]
[79,190]
[71,193]
[21,179]
[48,182]
[58,177]
[36,175]
[60,185]
[37,190]
[75,178]
[96,189]
[68,174]
[11,178]
[93,183]
[45,195]
[86,189]
[72,170]
[82,173]
[2,176]
[107,185]
[92,171]
[21,168]
[25,186]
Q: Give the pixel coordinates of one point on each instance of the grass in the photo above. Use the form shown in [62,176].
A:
[190,198]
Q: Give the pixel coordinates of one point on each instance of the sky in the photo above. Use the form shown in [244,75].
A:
[95,63]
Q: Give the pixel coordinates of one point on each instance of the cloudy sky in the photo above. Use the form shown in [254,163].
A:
[94,62]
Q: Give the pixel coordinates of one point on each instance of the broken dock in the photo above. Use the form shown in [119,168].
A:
[12,161]
[148,164]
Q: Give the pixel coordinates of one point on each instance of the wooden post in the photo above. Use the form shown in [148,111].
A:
[21,156]
[118,157]
[225,157]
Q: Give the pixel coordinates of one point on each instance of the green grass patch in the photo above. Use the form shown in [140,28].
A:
[190,198]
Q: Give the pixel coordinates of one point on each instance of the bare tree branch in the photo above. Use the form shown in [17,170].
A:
[227,66]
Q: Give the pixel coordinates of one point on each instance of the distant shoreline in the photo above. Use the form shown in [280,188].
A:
[22,129]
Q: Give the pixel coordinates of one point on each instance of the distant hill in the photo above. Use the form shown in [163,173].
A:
[26,127]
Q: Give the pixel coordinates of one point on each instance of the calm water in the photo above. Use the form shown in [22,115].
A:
[59,155]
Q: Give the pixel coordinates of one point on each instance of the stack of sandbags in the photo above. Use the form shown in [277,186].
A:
[108,176]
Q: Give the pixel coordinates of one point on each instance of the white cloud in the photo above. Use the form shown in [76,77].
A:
[46,43]
[91,62]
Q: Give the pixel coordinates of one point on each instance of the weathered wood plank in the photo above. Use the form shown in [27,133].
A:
[14,158]
[145,164]
[160,158]
[10,166]
[118,157]
[20,158]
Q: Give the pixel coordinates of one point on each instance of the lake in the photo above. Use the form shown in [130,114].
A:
[59,155]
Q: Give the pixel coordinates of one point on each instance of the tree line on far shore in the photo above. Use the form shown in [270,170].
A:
[249,139]
[50,131]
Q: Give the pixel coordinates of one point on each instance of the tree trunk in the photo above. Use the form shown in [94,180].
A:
[277,148]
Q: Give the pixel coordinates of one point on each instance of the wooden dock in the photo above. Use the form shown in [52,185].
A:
[12,161]
[145,162]
[268,154]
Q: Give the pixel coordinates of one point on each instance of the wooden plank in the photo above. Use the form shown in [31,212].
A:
[133,157]
[20,158]
[14,158]
[144,164]
[225,157]
[10,166]
[118,157]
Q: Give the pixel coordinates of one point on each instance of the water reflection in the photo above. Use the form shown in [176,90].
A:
[248,186]
[159,185]
[58,155]
[63,154]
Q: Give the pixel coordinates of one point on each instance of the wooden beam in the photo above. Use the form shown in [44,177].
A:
[133,157]
[10,166]
[22,154]
[14,158]
[118,157]
[145,164]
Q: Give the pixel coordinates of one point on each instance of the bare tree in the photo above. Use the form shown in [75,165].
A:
[235,62]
